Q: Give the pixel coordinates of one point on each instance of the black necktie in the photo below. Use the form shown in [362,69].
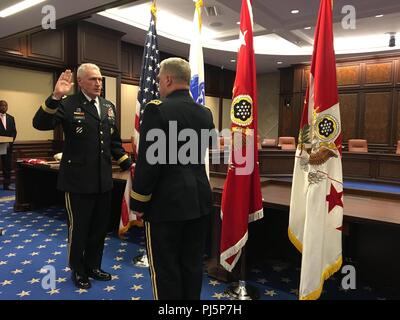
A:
[93,104]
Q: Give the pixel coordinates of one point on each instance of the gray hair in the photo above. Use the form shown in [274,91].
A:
[177,68]
[85,66]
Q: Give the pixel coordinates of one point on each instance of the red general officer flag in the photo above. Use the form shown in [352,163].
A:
[241,198]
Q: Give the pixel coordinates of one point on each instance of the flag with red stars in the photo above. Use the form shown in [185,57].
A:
[316,206]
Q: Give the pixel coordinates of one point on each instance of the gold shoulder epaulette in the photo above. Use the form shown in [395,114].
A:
[156,102]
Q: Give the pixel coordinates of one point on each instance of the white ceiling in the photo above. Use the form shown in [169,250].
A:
[277,31]
[33,16]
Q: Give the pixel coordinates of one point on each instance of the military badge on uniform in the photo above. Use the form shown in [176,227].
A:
[110,113]
[79,130]
[78,115]
[156,102]
[242,110]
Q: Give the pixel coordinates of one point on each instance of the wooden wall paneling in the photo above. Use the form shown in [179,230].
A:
[398,71]
[298,111]
[398,117]
[299,80]
[220,112]
[286,80]
[349,112]
[306,76]
[13,46]
[377,117]
[389,168]
[349,75]
[126,62]
[290,115]
[276,162]
[356,167]
[285,116]
[99,45]
[47,46]
[379,73]
[137,60]
[286,95]
[228,79]
[131,63]
[393,119]
[71,45]
[212,80]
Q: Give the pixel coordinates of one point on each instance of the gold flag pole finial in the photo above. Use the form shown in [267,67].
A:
[154,8]
[199,5]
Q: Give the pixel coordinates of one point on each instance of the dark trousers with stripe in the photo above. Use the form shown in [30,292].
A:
[175,251]
[88,222]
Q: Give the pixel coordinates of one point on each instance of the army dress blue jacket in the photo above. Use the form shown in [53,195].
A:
[90,142]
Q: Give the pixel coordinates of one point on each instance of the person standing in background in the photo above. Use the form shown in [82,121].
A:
[8,129]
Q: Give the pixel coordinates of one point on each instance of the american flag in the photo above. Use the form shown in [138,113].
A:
[148,90]
[148,86]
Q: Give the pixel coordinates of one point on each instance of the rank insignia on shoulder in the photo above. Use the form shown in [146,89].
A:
[156,102]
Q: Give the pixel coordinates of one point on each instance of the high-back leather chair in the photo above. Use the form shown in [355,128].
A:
[358,145]
[127,147]
[287,143]
[268,142]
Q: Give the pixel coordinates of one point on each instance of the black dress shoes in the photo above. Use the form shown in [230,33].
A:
[81,281]
[99,274]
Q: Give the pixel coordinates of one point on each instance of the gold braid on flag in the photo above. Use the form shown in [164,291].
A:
[154,9]
[199,5]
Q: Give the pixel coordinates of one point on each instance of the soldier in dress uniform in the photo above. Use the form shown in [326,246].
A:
[91,141]
[175,196]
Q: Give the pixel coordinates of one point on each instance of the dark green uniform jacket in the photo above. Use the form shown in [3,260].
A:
[90,142]
[172,191]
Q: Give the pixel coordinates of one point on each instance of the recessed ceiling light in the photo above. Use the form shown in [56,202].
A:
[295,11]
[307,28]
[279,62]
[18,7]
[379,16]
[233,60]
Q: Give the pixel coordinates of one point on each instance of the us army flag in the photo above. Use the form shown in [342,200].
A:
[316,206]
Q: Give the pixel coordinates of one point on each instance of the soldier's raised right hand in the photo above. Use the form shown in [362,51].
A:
[63,85]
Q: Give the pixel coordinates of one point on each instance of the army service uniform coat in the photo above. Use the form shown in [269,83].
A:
[175,196]
[172,191]
[90,142]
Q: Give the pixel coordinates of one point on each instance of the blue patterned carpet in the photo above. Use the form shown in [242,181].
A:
[34,240]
